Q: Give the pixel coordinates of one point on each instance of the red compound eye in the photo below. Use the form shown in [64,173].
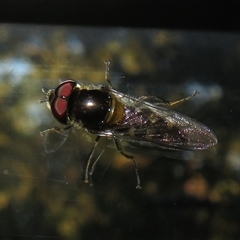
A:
[59,104]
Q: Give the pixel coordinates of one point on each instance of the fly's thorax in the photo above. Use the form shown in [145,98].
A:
[89,108]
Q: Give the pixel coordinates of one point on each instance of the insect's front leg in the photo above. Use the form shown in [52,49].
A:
[93,167]
[86,180]
[55,129]
[133,160]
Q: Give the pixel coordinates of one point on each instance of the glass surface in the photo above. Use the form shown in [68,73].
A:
[42,192]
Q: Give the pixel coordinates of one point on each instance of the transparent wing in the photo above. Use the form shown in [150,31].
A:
[148,124]
[158,151]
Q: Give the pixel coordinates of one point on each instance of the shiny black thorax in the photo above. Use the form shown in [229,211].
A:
[90,108]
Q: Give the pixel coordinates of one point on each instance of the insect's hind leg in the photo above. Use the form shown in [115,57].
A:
[133,160]
[159,101]
[177,102]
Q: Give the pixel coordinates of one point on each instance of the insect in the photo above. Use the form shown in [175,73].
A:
[145,121]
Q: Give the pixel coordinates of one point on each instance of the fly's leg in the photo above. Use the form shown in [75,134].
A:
[107,79]
[55,129]
[174,103]
[152,99]
[133,160]
[86,180]
[159,101]
[93,168]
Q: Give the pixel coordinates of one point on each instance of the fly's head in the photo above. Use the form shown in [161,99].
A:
[57,100]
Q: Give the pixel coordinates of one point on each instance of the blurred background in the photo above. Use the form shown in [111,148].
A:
[42,194]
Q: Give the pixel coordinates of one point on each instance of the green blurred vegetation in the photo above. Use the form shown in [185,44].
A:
[43,195]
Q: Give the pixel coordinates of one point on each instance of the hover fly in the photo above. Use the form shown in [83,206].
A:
[145,121]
